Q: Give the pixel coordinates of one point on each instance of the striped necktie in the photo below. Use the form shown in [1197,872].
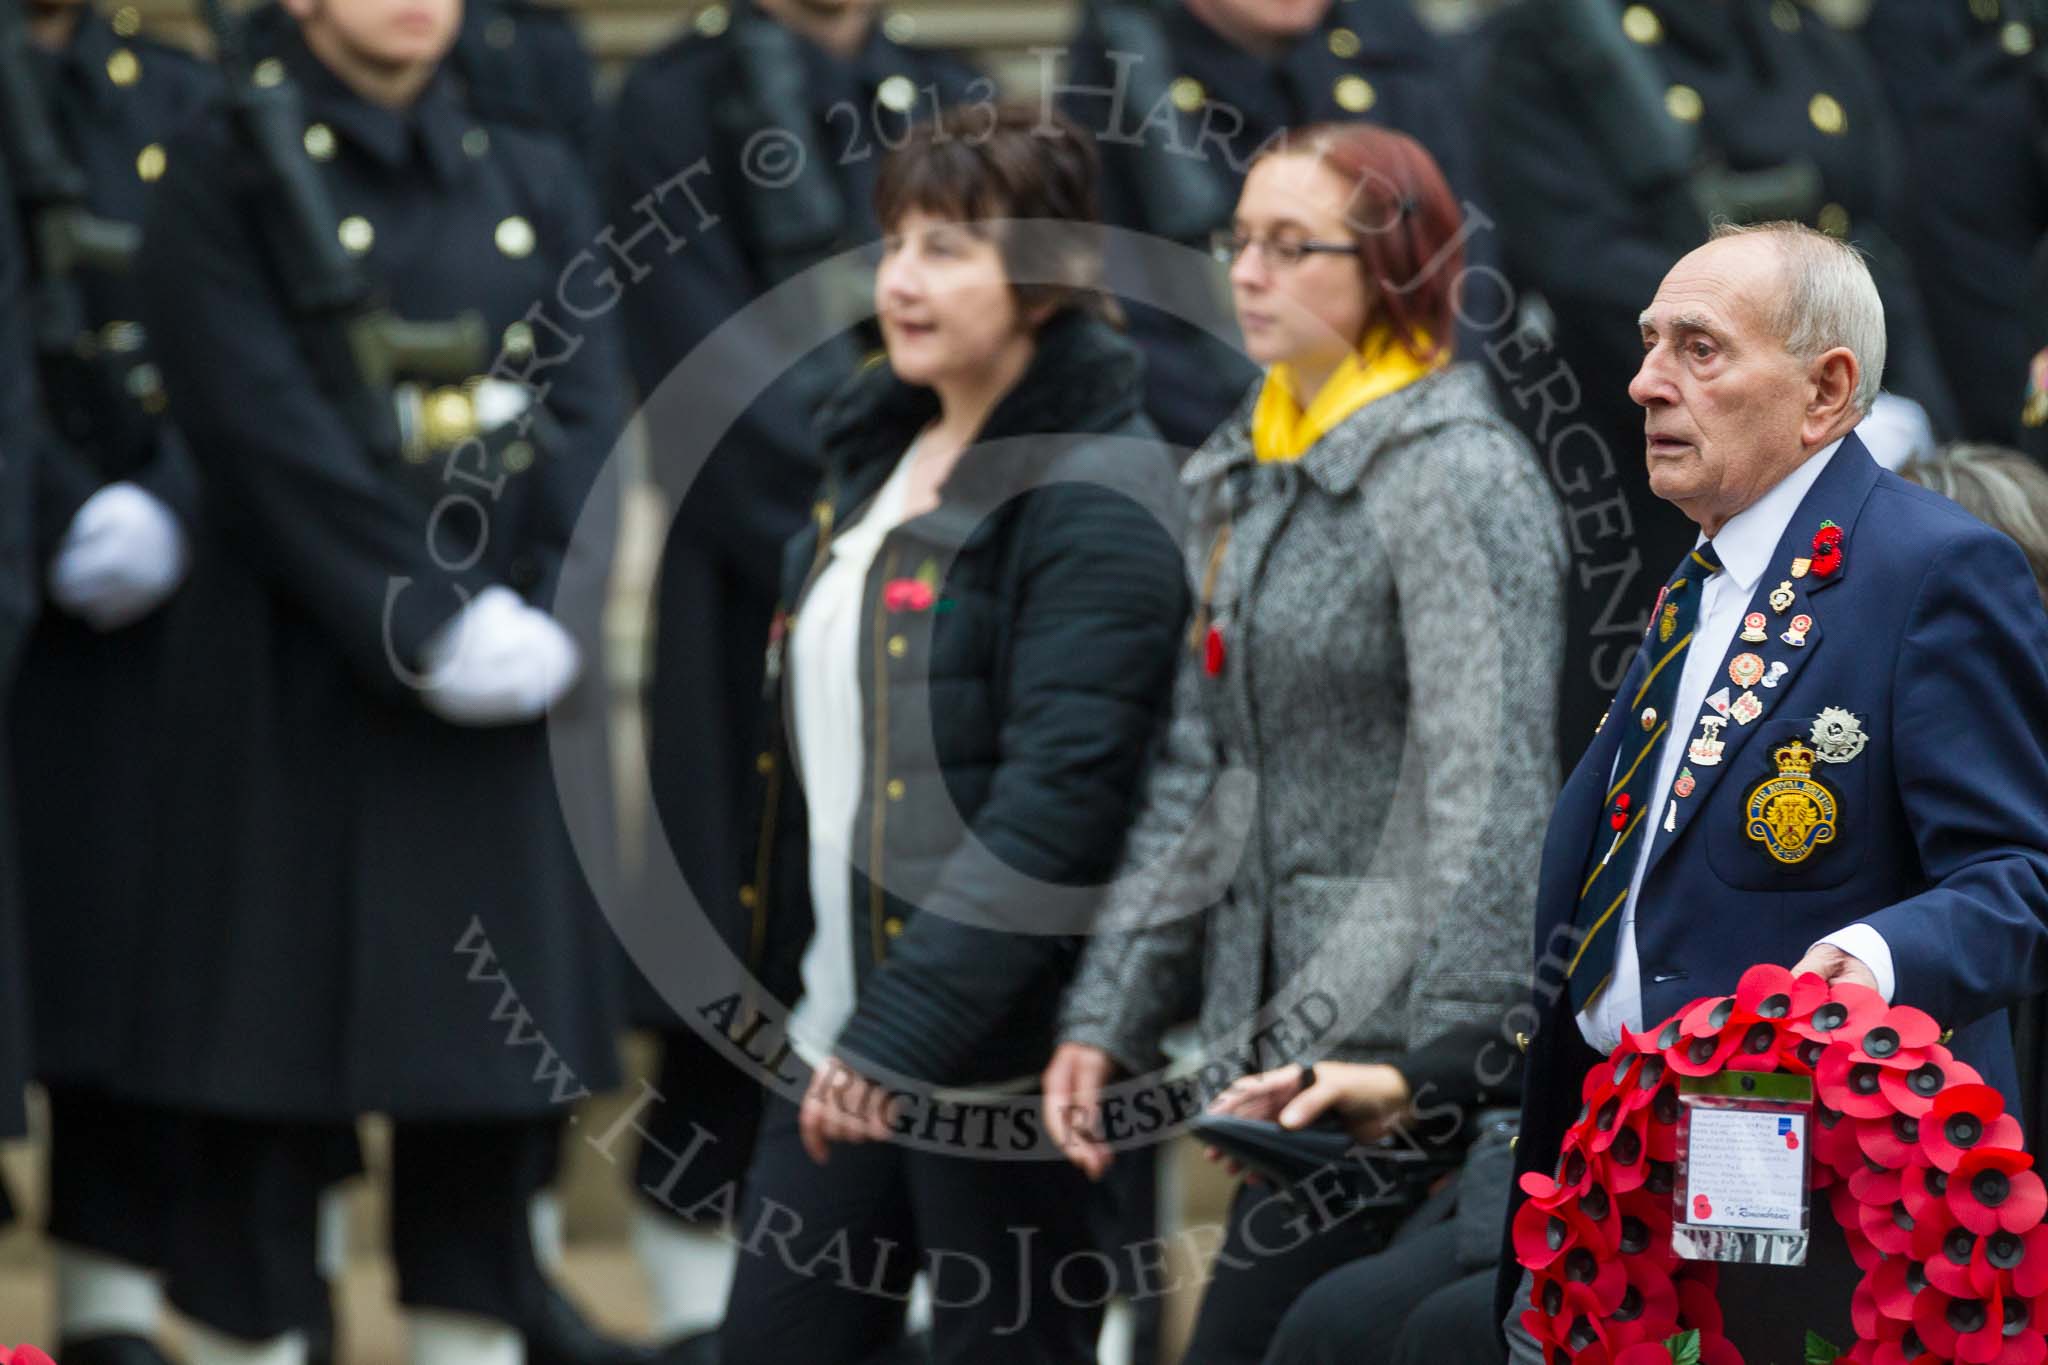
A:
[1647,720]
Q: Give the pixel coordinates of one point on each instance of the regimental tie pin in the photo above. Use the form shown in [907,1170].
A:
[1753,628]
[1781,597]
[1795,630]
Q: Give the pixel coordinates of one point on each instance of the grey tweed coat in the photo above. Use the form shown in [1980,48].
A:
[1337,848]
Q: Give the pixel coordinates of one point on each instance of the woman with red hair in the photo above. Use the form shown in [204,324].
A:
[1338,843]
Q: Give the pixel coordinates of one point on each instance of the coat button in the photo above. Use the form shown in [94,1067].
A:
[149,163]
[1827,114]
[1514,1142]
[1642,25]
[1354,94]
[898,94]
[1188,95]
[123,68]
[898,646]
[764,763]
[319,141]
[749,897]
[518,457]
[1344,44]
[1833,220]
[1522,1042]
[895,789]
[357,236]
[514,237]
[267,73]
[893,927]
[1683,103]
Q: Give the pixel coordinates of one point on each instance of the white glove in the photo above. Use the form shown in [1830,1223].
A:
[123,554]
[498,662]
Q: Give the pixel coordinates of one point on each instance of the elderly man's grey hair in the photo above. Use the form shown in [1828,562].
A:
[1829,300]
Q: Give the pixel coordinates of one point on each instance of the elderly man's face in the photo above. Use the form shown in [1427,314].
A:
[1724,402]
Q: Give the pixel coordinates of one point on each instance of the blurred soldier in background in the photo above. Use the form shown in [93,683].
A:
[19,575]
[2032,402]
[517,62]
[1180,93]
[367,901]
[1967,82]
[1611,134]
[92,106]
[820,82]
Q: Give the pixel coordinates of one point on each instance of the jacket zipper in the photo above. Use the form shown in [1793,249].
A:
[879,769]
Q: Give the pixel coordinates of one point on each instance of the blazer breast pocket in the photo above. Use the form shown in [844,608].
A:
[1783,820]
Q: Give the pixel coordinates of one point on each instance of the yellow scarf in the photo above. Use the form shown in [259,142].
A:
[1281,430]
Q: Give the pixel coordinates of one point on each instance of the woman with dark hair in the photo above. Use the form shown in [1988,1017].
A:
[1337,846]
[976,645]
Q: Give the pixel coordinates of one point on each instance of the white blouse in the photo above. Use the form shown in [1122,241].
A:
[831,750]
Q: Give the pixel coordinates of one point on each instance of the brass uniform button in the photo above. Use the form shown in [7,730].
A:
[1642,25]
[518,457]
[1522,1042]
[476,143]
[1833,220]
[1343,43]
[1187,95]
[900,28]
[2017,39]
[712,20]
[122,337]
[518,340]
[898,94]
[514,237]
[268,72]
[749,897]
[898,646]
[1514,1142]
[357,236]
[1683,103]
[127,21]
[893,927]
[1785,15]
[895,789]
[319,140]
[149,162]
[1354,94]
[1827,114]
[764,764]
[123,68]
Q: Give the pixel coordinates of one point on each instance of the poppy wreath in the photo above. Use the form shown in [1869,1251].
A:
[1922,1166]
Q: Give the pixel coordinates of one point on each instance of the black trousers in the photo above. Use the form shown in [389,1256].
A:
[1272,1252]
[112,1171]
[827,1254]
[244,1225]
[1413,1304]
[700,1090]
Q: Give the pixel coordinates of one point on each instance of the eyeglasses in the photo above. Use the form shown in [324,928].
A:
[1283,252]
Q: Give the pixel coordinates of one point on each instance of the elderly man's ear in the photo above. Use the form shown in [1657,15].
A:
[1829,412]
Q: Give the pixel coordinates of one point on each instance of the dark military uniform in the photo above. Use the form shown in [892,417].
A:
[704,99]
[364,907]
[85,705]
[518,62]
[1178,125]
[1590,224]
[2031,400]
[18,576]
[1969,87]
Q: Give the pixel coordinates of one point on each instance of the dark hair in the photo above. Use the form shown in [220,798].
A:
[996,169]
[1404,219]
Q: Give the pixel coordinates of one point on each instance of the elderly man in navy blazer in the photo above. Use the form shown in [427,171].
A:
[1831,751]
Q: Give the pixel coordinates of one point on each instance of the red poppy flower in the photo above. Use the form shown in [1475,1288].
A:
[1875,1186]
[1993,1188]
[1962,1329]
[1887,1292]
[24,1354]
[1848,1014]
[1843,1083]
[1947,1254]
[1545,1236]
[1892,1142]
[1925,1188]
[1828,537]
[1698,1306]
[907,594]
[1965,1117]
[2025,1258]
[1769,991]
[1912,1092]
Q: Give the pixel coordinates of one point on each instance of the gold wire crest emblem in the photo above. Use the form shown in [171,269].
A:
[1792,814]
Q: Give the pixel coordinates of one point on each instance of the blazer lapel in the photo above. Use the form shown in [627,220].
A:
[1838,495]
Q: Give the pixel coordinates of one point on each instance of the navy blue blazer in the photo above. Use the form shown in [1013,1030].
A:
[1932,633]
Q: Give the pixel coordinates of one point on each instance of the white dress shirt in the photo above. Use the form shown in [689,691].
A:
[1745,546]
[831,747]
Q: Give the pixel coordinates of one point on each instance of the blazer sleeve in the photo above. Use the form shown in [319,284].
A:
[1092,645]
[1970,746]
[1478,559]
